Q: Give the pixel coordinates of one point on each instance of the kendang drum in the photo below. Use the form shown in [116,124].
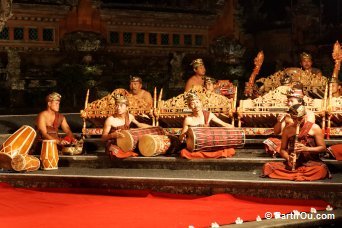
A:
[19,142]
[213,138]
[49,155]
[25,163]
[129,142]
[153,145]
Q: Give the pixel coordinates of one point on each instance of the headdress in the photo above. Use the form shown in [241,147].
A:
[196,63]
[209,80]
[120,99]
[53,97]
[298,93]
[191,96]
[135,79]
[305,55]
[297,110]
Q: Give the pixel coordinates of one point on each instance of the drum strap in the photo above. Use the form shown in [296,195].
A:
[127,123]
[206,117]
[58,121]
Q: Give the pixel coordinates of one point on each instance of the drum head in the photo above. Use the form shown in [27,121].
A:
[126,143]
[190,140]
[18,163]
[147,145]
[5,161]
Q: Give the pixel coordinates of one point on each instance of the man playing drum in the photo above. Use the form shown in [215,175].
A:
[49,121]
[121,120]
[199,118]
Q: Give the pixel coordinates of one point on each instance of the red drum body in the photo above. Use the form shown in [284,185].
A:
[19,143]
[213,138]
[25,163]
[154,145]
[129,142]
[49,155]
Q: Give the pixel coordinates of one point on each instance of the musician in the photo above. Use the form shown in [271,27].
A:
[137,91]
[336,89]
[335,151]
[209,84]
[50,120]
[198,77]
[302,161]
[294,95]
[199,117]
[306,64]
[121,120]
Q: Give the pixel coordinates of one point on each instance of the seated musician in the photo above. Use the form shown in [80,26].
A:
[198,77]
[336,88]
[301,144]
[121,120]
[335,151]
[198,118]
[294,96]
[209,84]
[137,91]
[50,120]
[306,64]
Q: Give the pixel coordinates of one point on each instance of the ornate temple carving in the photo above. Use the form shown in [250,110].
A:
[5,12]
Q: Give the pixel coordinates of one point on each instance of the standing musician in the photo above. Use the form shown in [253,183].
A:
[49,121]
[121,120]
[302,162]
[198,77]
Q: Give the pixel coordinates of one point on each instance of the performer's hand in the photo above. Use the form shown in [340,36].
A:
[300,147]
[281,117]
[182,137]
[64,142]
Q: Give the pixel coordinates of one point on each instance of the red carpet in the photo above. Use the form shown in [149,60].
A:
[37,208]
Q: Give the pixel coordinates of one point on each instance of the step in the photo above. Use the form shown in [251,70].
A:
[203,182]
[243,161]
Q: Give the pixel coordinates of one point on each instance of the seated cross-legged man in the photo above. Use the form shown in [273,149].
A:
[201,118]
[48,123]
[295,95]
[113,125]
[301,144]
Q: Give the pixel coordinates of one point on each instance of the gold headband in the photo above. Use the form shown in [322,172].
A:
[120,99]
[192,96]
[305,55]
[53,97]
[209,80]
[196,63]
[135,79]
